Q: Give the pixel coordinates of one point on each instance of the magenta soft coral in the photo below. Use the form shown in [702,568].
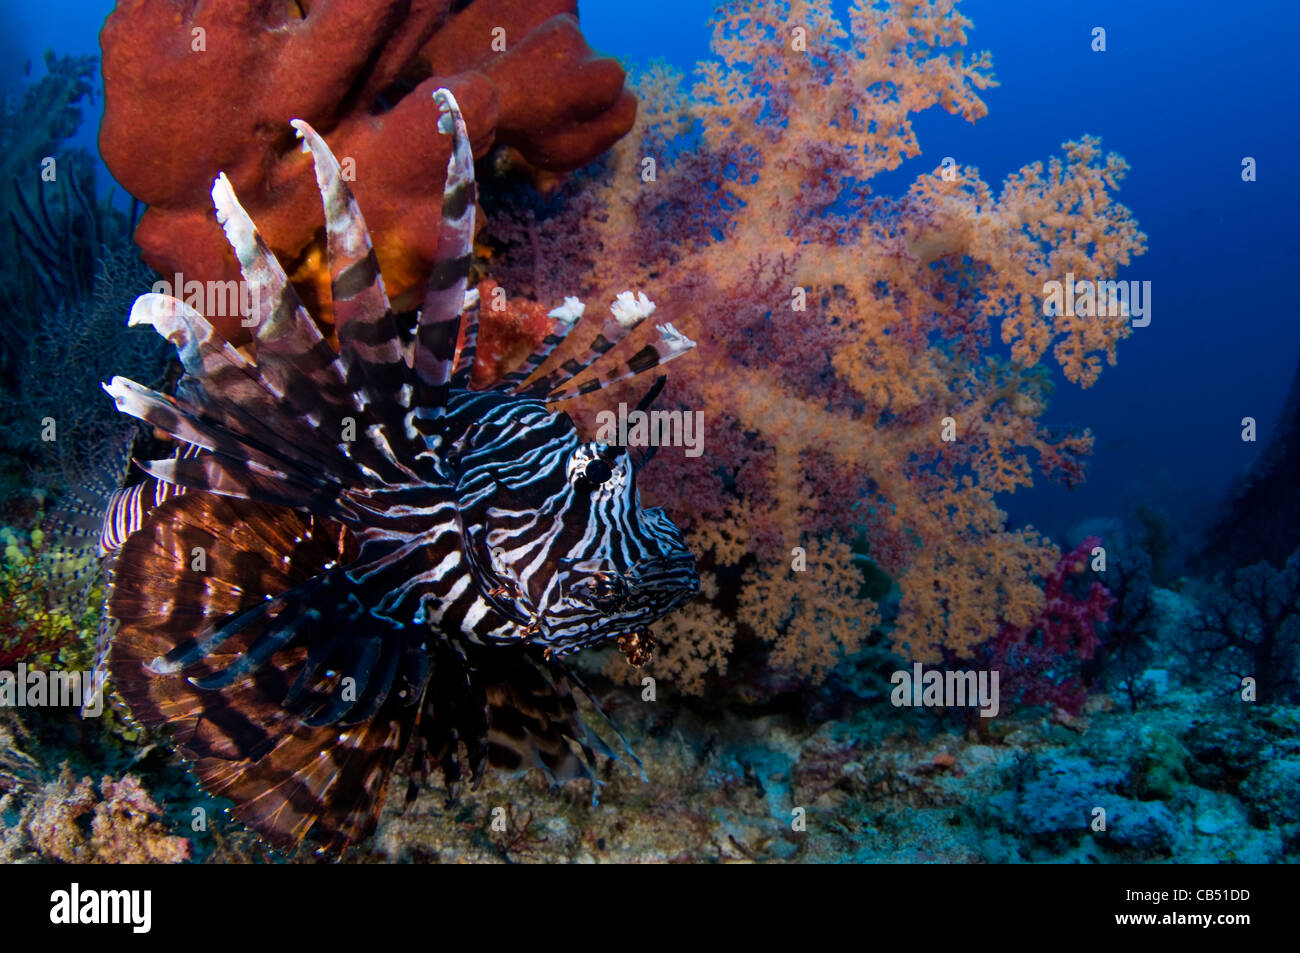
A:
[1040,662]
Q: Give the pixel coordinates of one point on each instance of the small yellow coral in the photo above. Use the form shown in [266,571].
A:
[809,611]
[693,643]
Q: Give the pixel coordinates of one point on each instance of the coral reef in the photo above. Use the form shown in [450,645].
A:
[36,625]
[1130,637]
[57,416]
[71,275]
[843,333]
[61,816]
[49,111]
[1252,629]
[724,788]
[509,330]
[1186,778]
[51,220]
[62,236]
[122,819]
[361,73]
[1041,662]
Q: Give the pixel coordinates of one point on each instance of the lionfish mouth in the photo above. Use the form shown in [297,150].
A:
[651,583]
[613,602]
[604,604]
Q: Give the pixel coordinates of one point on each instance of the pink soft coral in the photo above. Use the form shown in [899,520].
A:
[1040,662]
[843,365]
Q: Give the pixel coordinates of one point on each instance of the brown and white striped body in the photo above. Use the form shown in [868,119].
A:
[389,559]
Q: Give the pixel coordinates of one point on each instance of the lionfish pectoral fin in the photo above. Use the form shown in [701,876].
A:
[223,691]
[319,781]
[608,722]
[534,722]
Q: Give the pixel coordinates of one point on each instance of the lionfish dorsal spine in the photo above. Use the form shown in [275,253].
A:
[463,366]
[439,323]
[567,317]
[370,346]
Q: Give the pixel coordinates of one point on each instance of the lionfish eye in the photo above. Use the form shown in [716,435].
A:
[597,472]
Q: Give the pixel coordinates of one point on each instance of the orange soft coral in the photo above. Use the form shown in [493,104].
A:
[843,364]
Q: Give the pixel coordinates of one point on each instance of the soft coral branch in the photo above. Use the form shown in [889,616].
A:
[842,364]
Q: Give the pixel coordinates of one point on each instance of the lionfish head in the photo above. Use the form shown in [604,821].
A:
[590,563]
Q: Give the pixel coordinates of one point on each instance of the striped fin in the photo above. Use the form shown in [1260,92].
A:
[467,347]
[238,403]
[223,695]
[604,342]
[230,389]
[533,722]
[671,344]
[439,324]
[75,551]
[268,471]
[74,526]
[236,476]
[567,316]
[510,709]
[127,508]
[251,551]
[124,514]
[204,354]
[626,315]
[317,781]
[370,347]
[292,355]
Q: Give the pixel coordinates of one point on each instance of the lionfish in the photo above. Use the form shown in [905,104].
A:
[355,555]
